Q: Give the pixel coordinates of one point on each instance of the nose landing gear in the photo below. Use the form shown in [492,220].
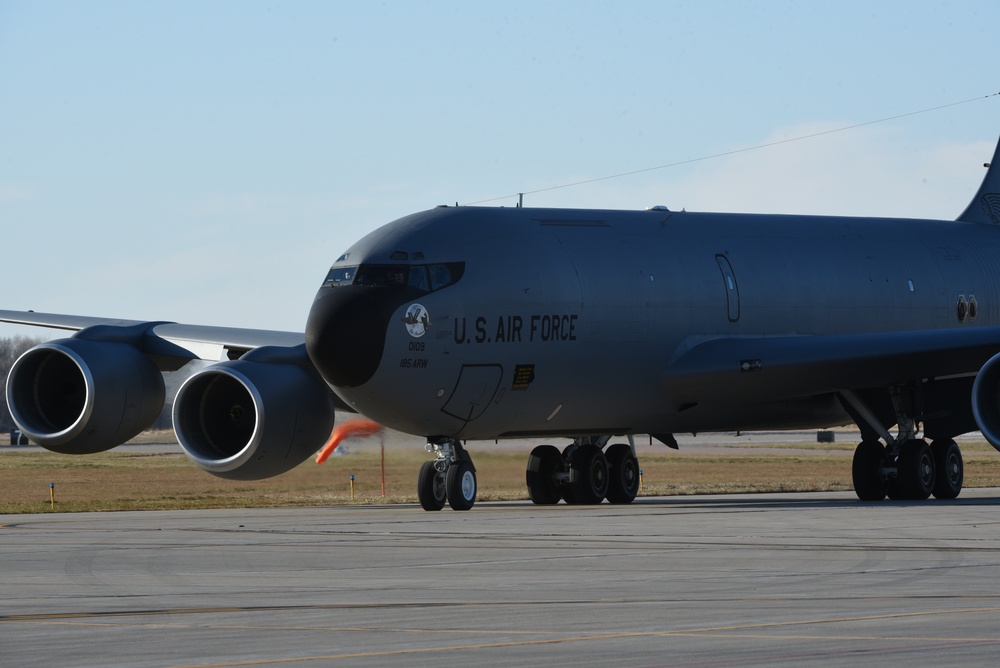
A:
[582,474]
[449,477]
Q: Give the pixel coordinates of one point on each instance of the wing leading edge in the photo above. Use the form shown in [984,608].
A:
[168,338]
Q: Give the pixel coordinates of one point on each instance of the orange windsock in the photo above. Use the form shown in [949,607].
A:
[347,430]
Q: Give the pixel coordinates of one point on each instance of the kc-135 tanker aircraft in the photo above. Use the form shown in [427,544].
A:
[575,326]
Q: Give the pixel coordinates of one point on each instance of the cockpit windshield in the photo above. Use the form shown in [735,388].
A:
[421,277]
[340,276]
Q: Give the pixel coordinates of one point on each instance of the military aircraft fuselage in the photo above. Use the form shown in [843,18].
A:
[482,323]
[469,323]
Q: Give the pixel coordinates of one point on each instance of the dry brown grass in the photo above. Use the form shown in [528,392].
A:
[130,481]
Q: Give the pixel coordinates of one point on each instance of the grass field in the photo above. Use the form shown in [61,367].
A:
[148,481]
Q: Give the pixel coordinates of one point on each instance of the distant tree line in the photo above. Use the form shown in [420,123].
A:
[10,349]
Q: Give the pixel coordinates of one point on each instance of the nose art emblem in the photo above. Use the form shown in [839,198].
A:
[417,320]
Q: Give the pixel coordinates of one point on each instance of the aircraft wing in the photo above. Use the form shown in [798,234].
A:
[168,338]
[782,367]
[59,321]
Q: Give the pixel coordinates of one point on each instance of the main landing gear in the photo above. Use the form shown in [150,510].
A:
[906,468]
[581,474]
[911,470]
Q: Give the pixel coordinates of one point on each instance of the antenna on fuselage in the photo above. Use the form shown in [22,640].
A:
[520,200]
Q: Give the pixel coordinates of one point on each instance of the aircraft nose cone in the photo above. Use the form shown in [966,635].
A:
[345,334]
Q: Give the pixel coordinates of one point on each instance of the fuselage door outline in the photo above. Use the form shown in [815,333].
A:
[732,289]
[475,388]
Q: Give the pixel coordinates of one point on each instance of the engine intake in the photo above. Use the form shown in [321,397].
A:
[986,401]
[78,396]
[255,417]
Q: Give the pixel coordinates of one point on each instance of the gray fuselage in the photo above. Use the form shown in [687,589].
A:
[564,322]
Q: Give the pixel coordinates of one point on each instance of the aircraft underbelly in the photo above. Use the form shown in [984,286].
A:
[805,413]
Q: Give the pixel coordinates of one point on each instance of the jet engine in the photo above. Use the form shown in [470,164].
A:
[79,396]
[254,417]
[986,401]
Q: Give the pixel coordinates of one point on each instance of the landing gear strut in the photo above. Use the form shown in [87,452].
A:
[582,474]
[449,477]
[906,468]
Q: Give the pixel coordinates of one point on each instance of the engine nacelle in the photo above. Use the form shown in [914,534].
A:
[986,401]
[79,396]
[254,417]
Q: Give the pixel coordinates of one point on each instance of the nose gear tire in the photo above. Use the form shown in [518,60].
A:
[431,487]
[460,485]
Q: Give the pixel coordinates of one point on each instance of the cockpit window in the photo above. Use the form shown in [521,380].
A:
[421,277]
[381,274]
[418,278]
[340,276]
[440,276]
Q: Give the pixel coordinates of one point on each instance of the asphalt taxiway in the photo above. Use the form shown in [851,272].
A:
[793,579]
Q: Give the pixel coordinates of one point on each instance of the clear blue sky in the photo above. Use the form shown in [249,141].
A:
[206,162]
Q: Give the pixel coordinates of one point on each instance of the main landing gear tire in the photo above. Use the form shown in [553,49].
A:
[949,469]
[431,487]
[543,463]
[866,471]
[915,472]
[588,476]
[623,470]
[460,485]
